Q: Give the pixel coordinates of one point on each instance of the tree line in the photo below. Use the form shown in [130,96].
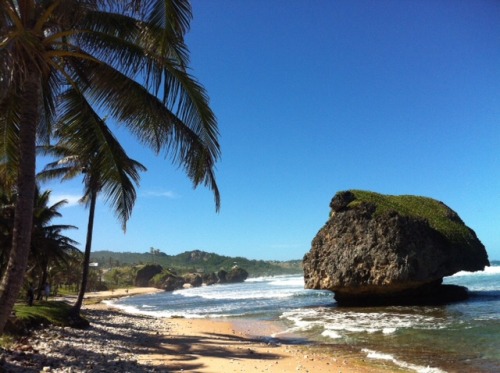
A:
[195,261]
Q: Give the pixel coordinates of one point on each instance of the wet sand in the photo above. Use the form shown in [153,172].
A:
[207,345]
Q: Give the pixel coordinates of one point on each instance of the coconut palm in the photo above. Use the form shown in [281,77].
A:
[49,246]
[126,58]
[88,147]
[67,273]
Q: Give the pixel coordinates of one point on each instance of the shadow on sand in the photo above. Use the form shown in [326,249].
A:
[160,352]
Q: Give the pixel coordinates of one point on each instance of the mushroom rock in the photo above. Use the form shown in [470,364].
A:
[378,249]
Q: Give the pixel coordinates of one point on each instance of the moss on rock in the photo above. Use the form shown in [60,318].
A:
[439,216]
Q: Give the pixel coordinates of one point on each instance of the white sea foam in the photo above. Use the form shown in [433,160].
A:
[344,323]
[417,368]
[259,279]
[389,330]
[291,281]
[492,270]
[283,280]
[233,295]
[331,334]
[276,288]
[167,314]
[272,278]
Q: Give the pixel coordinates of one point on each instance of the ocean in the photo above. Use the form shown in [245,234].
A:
[459,337]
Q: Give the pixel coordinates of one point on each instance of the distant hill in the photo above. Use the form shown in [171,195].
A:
[198,261]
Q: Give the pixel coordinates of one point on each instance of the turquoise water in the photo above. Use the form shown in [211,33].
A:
[460,337]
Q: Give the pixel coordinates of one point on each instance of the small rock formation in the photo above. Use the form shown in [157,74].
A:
[209,278]
[221,275]
[193,279]
[146,273]
[236,274]
[170,282]
[377,249]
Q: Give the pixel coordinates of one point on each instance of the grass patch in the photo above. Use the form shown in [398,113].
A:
[436,213]
[44,313]
[52,312]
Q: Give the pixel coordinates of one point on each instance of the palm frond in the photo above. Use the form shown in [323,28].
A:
[107,166]
[174,16]
[67,167]
[156,126]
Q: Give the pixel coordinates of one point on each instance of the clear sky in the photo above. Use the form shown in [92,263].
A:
[314,97]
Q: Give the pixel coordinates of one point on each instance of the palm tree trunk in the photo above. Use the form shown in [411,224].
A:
[12,279]
[86,257]
[43,280]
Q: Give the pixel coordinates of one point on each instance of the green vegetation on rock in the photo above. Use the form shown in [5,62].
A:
[160,278]
[439,216]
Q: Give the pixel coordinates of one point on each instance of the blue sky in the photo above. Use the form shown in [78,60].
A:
[314,97]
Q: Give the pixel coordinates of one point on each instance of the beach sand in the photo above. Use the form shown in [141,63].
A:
[207,345]
[121,342]
[200,345]
[118,293]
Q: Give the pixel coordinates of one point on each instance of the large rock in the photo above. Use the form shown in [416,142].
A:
[193,279]
[172,282]
[146,273]
[167,281]
[221,275]
[378,249]
[236,274]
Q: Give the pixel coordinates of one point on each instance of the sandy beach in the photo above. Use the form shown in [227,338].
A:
[120,342]
[200,345]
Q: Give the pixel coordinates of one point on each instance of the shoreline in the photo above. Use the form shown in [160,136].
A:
[122,342]
[247,345]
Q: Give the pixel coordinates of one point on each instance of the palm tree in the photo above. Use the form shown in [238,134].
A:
[104,164]
[49,247]
[67,272]
[124,57]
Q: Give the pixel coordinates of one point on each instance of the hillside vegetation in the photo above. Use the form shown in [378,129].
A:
[197,261]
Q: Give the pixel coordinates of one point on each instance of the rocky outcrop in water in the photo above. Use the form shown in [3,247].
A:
[193,279]
[221,275]
[156,276]
[169,282]
[209,278]
[236,274]
[378,249]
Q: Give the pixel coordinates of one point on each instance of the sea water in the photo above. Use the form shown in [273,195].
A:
[459,337]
